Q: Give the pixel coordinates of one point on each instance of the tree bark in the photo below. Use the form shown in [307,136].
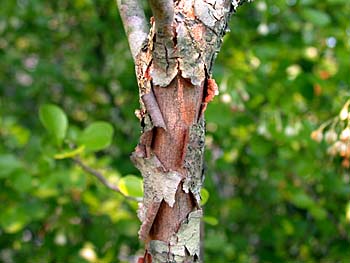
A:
[173,67]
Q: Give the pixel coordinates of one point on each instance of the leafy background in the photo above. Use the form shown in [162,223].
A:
[275,194]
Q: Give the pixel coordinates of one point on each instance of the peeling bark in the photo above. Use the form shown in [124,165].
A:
[173,70]
[152,108]
[184,246]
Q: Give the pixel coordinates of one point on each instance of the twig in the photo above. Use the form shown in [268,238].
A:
[135,24]
[102,179]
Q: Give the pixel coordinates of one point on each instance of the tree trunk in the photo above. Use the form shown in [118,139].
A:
[173,67]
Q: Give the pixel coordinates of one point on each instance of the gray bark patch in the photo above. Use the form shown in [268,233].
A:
[194,159]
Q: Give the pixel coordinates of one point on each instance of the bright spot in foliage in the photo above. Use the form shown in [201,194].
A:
[317,135]
[343,115]
[348,213]
[263,29]
[311,53]
[88,253]
[293,71]
[60,239]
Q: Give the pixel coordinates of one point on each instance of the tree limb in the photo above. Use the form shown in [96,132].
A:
[101,178]
[135,24]
[163,13]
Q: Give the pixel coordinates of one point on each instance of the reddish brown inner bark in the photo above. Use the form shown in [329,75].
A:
[180,105]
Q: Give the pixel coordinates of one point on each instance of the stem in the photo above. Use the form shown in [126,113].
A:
[101,178]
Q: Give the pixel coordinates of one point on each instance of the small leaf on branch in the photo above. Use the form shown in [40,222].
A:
[54,120]
[210,220]
[131,185]
[97,136]
[204,196]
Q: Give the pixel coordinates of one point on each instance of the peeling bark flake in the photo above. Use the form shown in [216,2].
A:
[153,109]
[187,239]
[184,246]
[158,185]
[211,91]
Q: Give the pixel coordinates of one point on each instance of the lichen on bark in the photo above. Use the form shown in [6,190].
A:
[194,159]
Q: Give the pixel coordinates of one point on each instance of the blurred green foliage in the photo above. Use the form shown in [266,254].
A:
[275,195]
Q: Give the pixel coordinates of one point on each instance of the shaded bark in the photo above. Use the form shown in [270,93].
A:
[173,68]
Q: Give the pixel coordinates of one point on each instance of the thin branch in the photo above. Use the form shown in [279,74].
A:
[101,178]
[135,24]
[163,13]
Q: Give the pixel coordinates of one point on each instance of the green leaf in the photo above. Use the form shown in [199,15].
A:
[97,136]
[54,120]
[8,164]
[316,17]
[131,185]
[70,154]
[302,200]
[204,196]
[73,133]
[13,219]
[318,212]
[21,181]
[210,220]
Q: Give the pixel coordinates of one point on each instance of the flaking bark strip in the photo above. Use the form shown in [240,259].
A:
[153,109]
[184,246]
[193,161]
[187,239]
[147,217]
[158,185]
